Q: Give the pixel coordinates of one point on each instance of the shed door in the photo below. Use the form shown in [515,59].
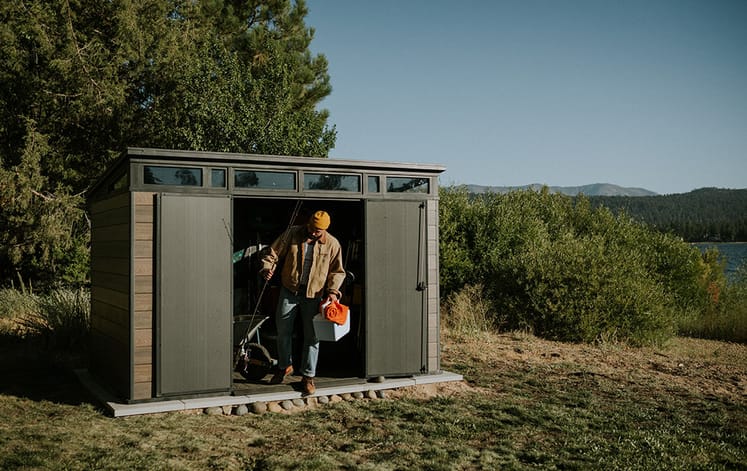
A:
[394,296]
[194,280]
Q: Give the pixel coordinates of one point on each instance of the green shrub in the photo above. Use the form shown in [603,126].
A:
[554,265]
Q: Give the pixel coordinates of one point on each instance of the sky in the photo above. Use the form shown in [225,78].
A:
[638,93]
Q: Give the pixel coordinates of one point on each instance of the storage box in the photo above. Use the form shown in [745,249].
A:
[328,330]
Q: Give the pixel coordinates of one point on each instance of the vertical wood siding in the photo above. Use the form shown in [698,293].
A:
[433,303]
[143,295]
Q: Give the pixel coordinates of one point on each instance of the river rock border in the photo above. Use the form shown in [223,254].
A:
[292,405]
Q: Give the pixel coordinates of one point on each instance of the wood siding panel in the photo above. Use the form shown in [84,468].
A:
[112,217]
[109,233]
[111,203]
[143,356]
[144,249]
[111,297]
[143,267]
[120,266]
[109,329]
[111,313]
[143,338]
[112,281]
[143,284]
[144,231]
[143,214]
[144,302]
[143,198]
[142,390]
[143,373]
[111,249]
[143,320]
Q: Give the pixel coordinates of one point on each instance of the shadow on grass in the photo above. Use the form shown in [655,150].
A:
[28,370]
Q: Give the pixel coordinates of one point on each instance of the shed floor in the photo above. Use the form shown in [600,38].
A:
[292,382]
[246,393]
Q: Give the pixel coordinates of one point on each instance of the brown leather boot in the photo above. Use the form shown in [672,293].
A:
[280,374]
[307,385]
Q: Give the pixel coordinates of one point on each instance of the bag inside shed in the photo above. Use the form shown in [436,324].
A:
[257,222]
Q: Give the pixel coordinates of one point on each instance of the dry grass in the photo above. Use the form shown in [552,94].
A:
[526,403]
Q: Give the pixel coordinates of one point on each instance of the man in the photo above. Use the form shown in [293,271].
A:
[312,272]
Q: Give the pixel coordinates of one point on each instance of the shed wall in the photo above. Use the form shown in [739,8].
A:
[433,295]
[110,291]
[143,295]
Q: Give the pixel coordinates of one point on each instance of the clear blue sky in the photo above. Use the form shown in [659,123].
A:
[638,93]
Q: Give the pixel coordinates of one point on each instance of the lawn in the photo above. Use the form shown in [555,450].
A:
[525,403]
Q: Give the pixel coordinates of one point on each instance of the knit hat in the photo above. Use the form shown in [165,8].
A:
[319,220]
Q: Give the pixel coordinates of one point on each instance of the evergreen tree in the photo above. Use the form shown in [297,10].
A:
[90,78]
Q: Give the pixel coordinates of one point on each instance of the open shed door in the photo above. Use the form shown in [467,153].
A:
[193,354]
[394,287]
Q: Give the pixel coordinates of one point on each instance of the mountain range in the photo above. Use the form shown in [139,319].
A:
[594,189]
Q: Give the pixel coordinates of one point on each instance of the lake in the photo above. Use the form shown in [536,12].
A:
[734,252]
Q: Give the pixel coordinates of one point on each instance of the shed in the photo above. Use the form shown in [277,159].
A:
[168,301]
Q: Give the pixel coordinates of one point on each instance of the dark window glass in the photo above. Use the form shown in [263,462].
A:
[329,182]
[407,185]
[218,178]
[181,176]
[265,180]
[373,185]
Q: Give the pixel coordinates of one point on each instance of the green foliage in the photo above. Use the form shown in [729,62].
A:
[45,234]
[727,318]
[80,81]
[568,271]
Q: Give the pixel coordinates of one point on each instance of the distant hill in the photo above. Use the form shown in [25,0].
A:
[595,189]
[705,214]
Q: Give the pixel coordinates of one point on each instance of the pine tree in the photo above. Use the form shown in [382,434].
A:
[95,77]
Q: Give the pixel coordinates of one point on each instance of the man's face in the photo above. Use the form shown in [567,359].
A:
[314,233]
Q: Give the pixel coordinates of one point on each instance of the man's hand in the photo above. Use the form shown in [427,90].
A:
[267,274]
[331,297]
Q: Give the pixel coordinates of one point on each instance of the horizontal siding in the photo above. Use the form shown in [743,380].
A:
[111,363]
[118,266]
[118,201]
[110,292]
[111,217]
[111,281]
[111,249]
[110,297]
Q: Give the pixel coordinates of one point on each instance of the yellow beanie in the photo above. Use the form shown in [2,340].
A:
[319,220]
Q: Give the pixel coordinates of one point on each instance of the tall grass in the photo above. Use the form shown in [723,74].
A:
[61,317]
[468,311]
[728,319]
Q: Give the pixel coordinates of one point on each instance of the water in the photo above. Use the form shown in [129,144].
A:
[734,252]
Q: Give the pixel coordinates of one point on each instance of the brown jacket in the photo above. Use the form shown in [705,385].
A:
[327,273]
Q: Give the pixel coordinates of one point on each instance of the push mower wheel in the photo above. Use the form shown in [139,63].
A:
[257,364]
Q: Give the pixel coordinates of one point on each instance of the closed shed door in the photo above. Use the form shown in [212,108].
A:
[394,300]
[194,308]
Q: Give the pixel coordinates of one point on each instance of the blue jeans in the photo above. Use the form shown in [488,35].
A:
[288,305]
